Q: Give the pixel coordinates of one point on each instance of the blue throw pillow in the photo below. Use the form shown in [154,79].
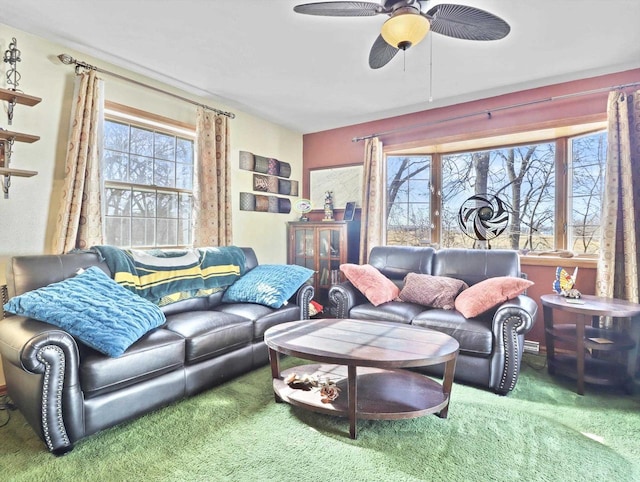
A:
[93,308]
[268,284]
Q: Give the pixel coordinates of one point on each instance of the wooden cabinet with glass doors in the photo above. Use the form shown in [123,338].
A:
[323,247]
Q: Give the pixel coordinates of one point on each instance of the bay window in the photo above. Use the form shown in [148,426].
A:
[550,193]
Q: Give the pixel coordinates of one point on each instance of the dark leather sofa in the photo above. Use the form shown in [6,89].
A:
[68,391]
[491,345]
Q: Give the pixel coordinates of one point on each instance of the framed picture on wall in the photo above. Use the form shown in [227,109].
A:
[344,182]
[349,211]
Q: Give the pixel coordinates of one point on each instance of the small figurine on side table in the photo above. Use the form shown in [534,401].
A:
[565,282]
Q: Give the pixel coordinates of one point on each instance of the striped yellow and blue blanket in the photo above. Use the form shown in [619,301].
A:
[167,276]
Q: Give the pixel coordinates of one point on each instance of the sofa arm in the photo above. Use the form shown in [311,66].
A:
[511,321]
[41,365]
[345,296]
[303,298]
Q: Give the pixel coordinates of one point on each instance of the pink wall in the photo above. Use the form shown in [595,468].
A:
[334,147]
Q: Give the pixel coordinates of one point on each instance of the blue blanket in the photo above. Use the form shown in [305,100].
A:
[167,276]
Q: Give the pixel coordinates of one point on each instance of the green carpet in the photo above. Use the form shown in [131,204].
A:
[543,431]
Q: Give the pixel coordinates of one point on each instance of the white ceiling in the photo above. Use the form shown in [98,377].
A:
[311,73]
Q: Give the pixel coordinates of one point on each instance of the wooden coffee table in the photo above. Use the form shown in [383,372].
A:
[365,360]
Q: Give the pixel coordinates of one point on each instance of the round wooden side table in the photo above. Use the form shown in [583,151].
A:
[585,335]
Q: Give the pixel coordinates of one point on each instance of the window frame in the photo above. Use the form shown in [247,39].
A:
[560,135]
[120,113]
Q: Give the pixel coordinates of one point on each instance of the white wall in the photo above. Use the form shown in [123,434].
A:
[27,218]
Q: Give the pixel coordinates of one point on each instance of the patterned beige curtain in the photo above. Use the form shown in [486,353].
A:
[79,222]
[212,198]
[372,198]
[617,275]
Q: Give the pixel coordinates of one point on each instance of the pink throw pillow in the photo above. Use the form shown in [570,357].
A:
[490,293]
[370,282]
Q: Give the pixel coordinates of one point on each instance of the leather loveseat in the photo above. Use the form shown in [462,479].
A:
[491,345]
[67,390]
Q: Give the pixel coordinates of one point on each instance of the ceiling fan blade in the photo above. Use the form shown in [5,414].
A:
[381,53]
[469,23]
[340,9]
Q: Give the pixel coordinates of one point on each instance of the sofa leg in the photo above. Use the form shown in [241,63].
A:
[62,450]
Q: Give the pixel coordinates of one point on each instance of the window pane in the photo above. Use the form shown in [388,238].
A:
[117,231]
[167,232]
[586,180]
[164,147]
[141,170]
[185,206]
[522,178]
[143,232]
[165,174]
[118,202]
[141,141]
[184,176]
[115,165]
[116,136]
[167,205]
[184,231]
[184,151]
[143,204]
[408,216]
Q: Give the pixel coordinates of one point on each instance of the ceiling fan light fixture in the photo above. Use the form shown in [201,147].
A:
[405,29]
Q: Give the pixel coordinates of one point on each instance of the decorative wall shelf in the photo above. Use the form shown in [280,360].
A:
[18,136]
[16,97]
[7,138]
[5,171]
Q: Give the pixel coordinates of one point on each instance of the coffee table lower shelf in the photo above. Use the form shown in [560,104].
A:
[381,394]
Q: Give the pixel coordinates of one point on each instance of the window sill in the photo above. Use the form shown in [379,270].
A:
[551,260]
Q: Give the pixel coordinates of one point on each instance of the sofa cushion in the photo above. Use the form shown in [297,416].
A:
[93,308]
[475,336]
[396,311]
[262,316]
[395,262]
[490,293]
[158,352]
[432,291]
[268,284]
[370,282]
[209,334]
[475,265]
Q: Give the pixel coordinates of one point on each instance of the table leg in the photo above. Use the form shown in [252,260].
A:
[580,324]
[274,361]
[632,358]
[548,325]
[352,380]
[447,382]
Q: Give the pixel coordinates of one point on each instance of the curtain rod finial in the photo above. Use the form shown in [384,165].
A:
[66,59]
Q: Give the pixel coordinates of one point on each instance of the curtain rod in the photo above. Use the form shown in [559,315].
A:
[489,111]
[68,60]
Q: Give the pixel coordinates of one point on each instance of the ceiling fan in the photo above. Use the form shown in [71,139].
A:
[410,21]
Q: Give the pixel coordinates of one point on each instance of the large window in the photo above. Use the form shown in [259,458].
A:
[542,196]
[148,191]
